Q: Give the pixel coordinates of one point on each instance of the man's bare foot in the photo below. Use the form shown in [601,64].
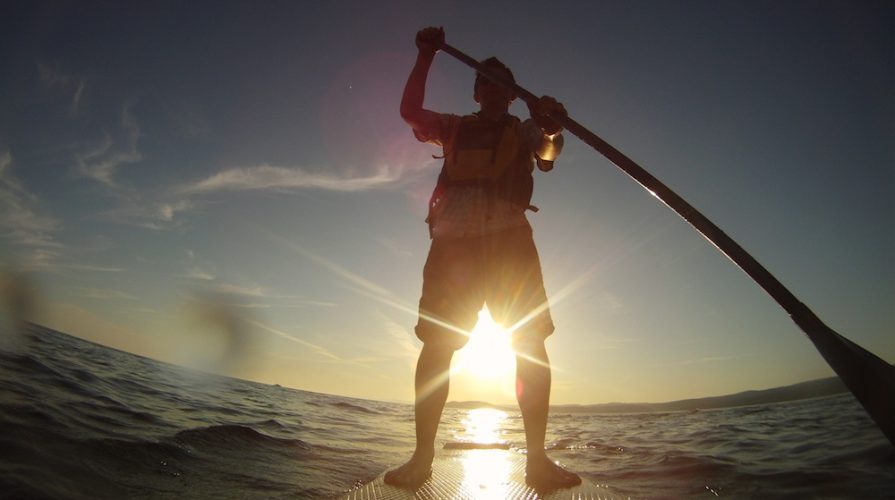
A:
[542,474]
[414,472]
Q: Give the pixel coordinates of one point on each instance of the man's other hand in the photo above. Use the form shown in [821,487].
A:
[430,40]
[542,109]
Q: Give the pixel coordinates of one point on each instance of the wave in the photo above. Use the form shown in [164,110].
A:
[25,363]
[353,407]
[562,444]
[270,424]
[12,488]
[230,435]
[139,452]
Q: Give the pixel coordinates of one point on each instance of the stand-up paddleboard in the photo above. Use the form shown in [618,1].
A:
[477,474]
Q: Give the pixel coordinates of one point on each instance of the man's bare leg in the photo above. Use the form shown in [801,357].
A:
[533,394]
[432,383]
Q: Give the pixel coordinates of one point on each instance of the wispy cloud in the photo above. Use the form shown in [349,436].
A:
[198,274]
[220,290]
[101,162]
[253,296]
[314,347]
[607,303]
[155,215]
[400,339]
[394,247]
[262,293]
[266,177]
[112,147]
[106,294]
[73,86]
[705,359]
[167,211]
[20,219]
[297,303]
[93,269]
[610,343]
[246,291]
[10,182]
[40,258]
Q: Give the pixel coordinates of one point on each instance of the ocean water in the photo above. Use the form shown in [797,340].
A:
[78,420]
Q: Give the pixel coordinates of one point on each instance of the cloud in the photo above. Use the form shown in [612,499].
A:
[322,353]
[91,268]
[7,178]
[320,350]
[154,215]
[401,341]
[608,303]
[232,295]
[246,291]
[198,274]
[194,271]
[19,218]
[52,76]
[266,177]
[258,292]
[49,260]
[167,211]
[105,294]
[101,163]
[394,247]
[704,359]
[40,258]
[609,343]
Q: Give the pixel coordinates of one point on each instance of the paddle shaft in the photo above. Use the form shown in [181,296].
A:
[850,361]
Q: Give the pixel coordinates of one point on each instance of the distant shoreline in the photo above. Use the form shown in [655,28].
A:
[805,390]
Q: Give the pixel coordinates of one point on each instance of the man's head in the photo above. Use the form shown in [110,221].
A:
[489,93]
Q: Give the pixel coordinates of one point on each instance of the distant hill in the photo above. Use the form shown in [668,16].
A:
[805,390]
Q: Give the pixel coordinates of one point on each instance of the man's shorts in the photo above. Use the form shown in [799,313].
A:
[501,270]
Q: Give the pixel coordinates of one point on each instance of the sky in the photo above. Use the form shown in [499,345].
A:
[229,185]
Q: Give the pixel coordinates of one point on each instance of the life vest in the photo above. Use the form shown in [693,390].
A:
[494,155]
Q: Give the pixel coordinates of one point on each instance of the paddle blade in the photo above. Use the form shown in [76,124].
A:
[869,378]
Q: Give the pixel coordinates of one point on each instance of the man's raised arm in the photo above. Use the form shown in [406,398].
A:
[428,41]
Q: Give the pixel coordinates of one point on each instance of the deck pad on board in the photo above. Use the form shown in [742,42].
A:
[477,474]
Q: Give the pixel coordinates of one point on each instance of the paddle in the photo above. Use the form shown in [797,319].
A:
[869,378]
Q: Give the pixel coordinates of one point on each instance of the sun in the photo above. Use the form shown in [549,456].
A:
[488,355]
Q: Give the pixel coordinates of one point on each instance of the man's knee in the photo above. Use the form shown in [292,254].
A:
[436,338]
[531,340]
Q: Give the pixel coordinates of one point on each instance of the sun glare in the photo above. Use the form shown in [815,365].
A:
[488,354]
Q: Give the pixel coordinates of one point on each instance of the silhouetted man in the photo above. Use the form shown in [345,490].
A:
[482,253]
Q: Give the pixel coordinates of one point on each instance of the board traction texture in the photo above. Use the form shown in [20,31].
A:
[479,475]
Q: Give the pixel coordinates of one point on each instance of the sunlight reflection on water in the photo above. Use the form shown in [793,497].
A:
[483,426]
